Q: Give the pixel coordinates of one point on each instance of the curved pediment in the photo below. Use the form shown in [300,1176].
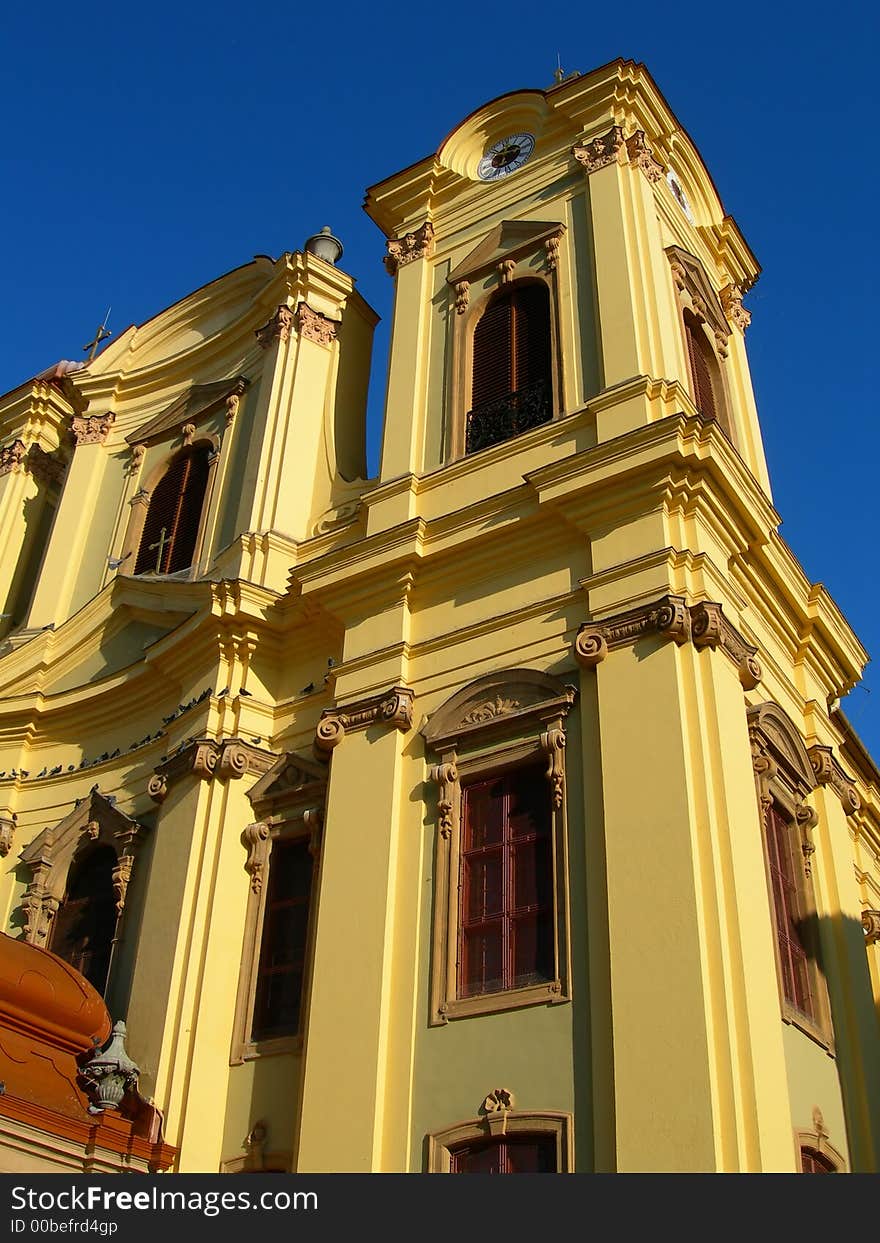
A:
[779,733]
[501,700]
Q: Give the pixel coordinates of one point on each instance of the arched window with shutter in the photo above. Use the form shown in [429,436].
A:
[84,928]
[171,528]
[512,386]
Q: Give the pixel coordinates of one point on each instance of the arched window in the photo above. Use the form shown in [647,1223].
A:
[84,928]
[512,387]
[171,527]
[703,364]
[813,1162]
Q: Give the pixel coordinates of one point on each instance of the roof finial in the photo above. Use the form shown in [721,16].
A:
[559,72]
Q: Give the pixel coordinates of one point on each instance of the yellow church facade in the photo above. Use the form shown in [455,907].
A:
[495,813]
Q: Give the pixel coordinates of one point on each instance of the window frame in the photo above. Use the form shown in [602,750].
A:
[514,253]
[784,778]
[497,724]
[289,799]
[816,1139]
[442,1144]
[700,310]
[140,506]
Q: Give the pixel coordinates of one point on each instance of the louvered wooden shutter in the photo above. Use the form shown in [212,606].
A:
[704,397]
[493,360]
[531,336]
[174,515]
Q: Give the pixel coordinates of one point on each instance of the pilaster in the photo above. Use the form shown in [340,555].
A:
[357,1068]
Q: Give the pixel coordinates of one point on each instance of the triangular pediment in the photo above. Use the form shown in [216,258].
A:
[195,404]
[511,237]
[699,285]
[292,778]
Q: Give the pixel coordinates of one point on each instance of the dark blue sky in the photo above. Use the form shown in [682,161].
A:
[147,150]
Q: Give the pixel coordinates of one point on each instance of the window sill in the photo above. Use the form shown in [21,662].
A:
[549,993]
[266,1048]
[794,1018]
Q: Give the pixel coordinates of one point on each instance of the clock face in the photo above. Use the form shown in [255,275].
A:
[679,195]
[505,157]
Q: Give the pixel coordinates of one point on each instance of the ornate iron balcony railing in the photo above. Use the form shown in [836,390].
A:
[495,421]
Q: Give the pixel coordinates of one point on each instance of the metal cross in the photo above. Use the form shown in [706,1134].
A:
[101,335]
[160,544]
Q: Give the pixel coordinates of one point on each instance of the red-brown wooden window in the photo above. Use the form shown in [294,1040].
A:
[171,527]
[281,969]
[85,925]
[813,1162]
[507,922]
[785,858]
[699,353]
[512,384]
[512,1154]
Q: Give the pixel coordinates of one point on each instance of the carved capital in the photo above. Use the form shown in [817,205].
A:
[277,328]
[7,833]
[462,289]
[829,773]
[641,156]
[91,430]
[710,628]
[392,707]
[402,250]
[553,745]
[668,617]
[601,151]
[731,303]
[313,326]
[203,758]
[121,877]
[871,925]
[445,776]
[255,839]
[12,456]
[157,787]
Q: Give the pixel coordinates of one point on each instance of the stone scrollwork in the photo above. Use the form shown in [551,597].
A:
[551,249]
[393,707]
[671,618]
[445,777]
[121,878]
[462,295]
[641,156]
[492,707]
[731,303]
[829,773]
[228,759]
[667,617]
[600,151]
[418,244]
[278,328]
[498,1101]
[806,819]
[7,833]
[313,326]
[11,456]
[553,744]
[871,926]
[92,429]
[255,840]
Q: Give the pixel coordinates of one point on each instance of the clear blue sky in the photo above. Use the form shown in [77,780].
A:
[147,149]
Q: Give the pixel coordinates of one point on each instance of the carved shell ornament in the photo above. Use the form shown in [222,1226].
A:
[492,708]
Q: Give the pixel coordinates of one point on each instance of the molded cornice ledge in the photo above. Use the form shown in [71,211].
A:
[205,758]
[392,707]
[670,617]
